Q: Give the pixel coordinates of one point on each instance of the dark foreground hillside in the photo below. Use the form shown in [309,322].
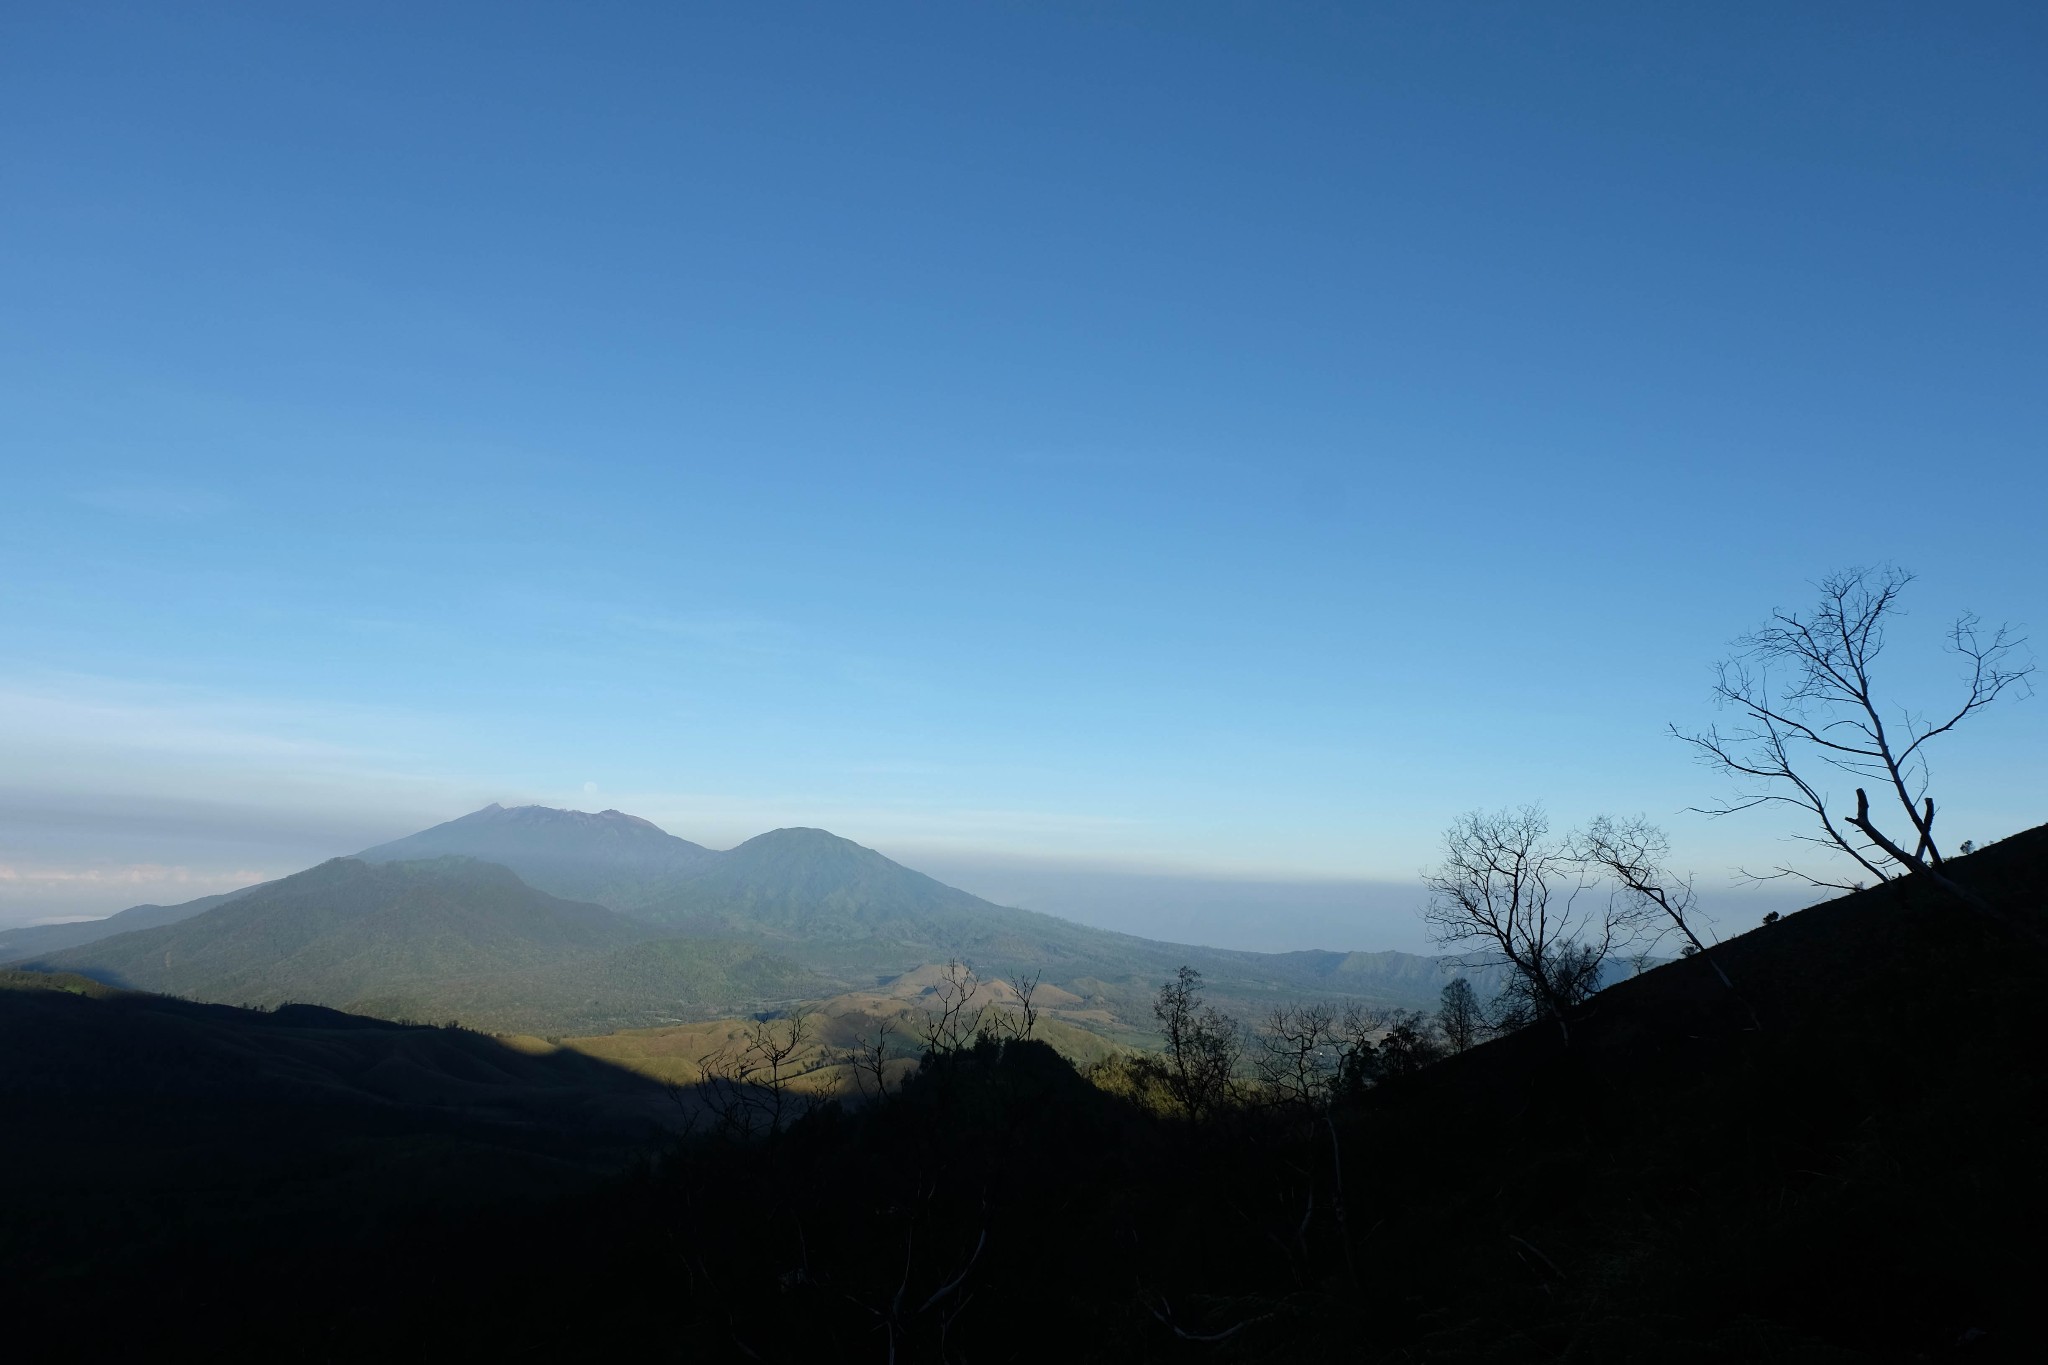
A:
[1863,1179]
[150,1145]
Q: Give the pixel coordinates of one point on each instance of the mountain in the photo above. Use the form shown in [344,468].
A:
[804,885]
[811,884]
[348,930]
[433,926]
[845,911]
[851,914]
[34,940]
[616,860]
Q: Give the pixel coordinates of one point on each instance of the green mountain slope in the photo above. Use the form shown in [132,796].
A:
[842,917]
[808,883]
[35,940]
[813,886]
[850,914]
[347,930]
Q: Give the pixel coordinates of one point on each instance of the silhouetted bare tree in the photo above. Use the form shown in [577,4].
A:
[956,1020]
[869,1057]
[747,1085]
[1299,1054]
[1512,896]
[1024,1022]
[1804,688]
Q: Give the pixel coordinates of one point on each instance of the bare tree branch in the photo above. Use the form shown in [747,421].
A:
[1515,896]
[868,1058]
[956,1020]
[747,1084]
[1633,853]
[1830,716]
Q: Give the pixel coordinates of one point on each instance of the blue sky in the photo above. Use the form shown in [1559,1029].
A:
[1204,439]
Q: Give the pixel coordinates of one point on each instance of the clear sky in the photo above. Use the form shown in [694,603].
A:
[1194,438]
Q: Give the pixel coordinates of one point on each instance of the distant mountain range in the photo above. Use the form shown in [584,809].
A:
[797,884]
[542,920]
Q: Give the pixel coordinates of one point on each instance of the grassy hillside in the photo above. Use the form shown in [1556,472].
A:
[673,1054]
[68,982]
[637,986]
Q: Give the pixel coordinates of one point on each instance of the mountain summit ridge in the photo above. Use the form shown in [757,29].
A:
[614,859]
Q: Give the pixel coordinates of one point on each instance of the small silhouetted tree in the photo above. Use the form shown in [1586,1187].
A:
[747,1084]
[1024,1022]
[955,1019]
[869,1058]
[1202,1046]
[1298,1056]
[1458,1016]
[1809,709]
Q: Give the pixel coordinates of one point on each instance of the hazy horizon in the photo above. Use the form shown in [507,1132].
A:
[1218,909]
[1223,444]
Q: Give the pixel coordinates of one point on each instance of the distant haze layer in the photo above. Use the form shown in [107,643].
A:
[66,862]
[1262,915]
[1266,915]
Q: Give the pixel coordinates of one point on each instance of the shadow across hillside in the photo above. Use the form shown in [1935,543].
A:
[156,1133]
